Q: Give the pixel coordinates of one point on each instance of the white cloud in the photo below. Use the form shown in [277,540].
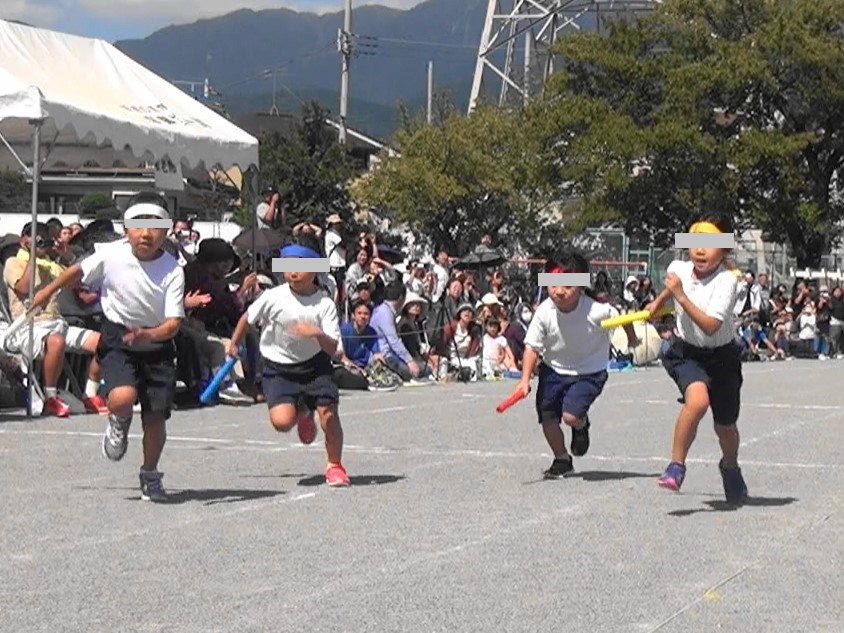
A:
[189,10]
[35,12]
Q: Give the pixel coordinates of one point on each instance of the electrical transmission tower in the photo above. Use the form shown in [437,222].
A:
[530,28]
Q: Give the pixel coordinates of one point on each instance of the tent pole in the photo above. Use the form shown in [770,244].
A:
[36,176]
[252,185]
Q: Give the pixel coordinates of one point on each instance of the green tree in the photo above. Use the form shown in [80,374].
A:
[455,181]
[310,169]
[726,106]
[15,195]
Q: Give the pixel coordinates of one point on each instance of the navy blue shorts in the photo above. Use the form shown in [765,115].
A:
[718,368]
[149,368]
[558,393]
[309,384]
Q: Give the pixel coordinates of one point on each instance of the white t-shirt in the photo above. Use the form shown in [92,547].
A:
[336,256]
[278,309]
[572,343]
[442,281]
[715,295]
[493,347]
[135,293]
[261,211]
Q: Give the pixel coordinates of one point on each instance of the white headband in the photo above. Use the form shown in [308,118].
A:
[146,208]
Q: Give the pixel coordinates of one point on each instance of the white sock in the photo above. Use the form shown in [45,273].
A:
[50,392]
[92,388]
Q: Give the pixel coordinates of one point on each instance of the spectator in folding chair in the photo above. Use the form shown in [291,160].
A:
[52,335]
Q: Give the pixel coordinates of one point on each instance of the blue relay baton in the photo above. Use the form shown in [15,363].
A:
[214,386]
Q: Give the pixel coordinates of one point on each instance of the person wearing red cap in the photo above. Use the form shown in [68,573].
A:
[566,334]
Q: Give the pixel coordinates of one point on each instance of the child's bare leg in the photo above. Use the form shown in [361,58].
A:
[155,436]
[696,404]
[573,421]
[121,400]
[555,438]
[728,437]
[283,417]
[53,360]
[333,431]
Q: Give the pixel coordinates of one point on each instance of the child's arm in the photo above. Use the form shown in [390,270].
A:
[164,332]
[237,336]
[657,303]
[632,339]
[707,323]
[66,278]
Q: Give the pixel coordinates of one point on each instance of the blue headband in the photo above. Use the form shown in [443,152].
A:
[296,250]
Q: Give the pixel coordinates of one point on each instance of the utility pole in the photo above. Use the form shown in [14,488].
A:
[344,44]
[430,92]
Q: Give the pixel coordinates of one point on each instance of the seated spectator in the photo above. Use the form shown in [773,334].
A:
[629,294]
[751,335]
[411,328]
[361,356]
[514,330]
[52,335]
[497,357]
[645,292]
[396,355]
[211,324]
[360,340]
[462,338]
[453,299]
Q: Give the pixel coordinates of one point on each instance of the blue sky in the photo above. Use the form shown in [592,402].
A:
[123,19]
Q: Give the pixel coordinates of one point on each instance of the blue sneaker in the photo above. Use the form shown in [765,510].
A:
[673,477]
[735,490]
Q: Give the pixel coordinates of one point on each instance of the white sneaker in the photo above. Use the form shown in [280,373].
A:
[233,395]
[823,357]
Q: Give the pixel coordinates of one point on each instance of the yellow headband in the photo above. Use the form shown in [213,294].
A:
[704,227]
[708,227]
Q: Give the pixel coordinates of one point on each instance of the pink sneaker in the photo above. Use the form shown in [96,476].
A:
[306,427]
[336,477]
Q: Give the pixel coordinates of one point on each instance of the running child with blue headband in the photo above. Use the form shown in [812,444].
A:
[703,358]
[300,334]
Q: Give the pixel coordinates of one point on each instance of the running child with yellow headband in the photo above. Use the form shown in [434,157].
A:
[703,359]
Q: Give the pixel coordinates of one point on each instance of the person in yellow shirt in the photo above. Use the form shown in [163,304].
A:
[52,335]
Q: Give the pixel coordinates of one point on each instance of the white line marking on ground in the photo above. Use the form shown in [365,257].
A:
[757,405]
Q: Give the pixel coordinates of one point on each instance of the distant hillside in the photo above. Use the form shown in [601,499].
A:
[233,51]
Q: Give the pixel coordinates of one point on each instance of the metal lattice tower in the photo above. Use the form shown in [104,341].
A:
[529,28]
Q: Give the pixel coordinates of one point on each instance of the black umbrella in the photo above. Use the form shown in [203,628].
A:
[265,240]
[390,255]
[480,259]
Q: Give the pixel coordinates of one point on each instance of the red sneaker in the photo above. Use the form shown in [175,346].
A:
[306,427]
[54,406]
[336,477]
[95,404]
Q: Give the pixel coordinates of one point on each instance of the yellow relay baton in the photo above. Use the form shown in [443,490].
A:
[633,317]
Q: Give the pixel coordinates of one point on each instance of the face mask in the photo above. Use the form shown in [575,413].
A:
[527,316]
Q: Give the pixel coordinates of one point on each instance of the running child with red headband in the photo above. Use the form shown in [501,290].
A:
[566,334]
[703,359]
[300,335]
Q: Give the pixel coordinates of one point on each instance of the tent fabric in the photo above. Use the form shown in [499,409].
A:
[90,88]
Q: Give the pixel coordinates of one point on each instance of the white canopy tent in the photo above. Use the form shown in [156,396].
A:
[53,84]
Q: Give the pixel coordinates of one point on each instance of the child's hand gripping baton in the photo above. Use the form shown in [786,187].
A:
[633,317]
[515,397]
[214,386]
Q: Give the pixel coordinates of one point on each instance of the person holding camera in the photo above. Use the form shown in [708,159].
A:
[269,211]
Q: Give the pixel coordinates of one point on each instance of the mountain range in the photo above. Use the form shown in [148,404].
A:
[236,51]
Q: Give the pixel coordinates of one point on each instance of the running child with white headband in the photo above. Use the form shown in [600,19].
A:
[142,290]
[300,335]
